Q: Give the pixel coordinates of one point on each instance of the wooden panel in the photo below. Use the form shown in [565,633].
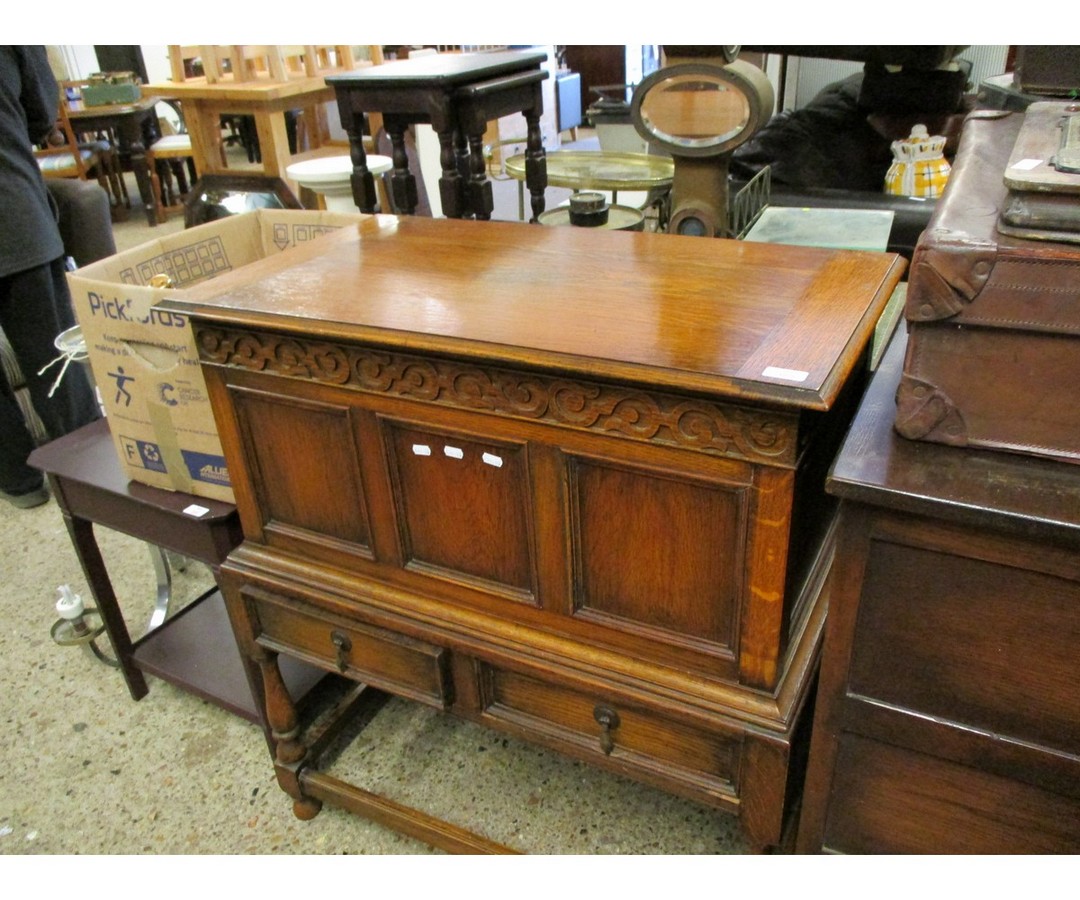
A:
[373,655]
[463,505]
[303,462]
[982,643]
[657,551]
[706,762]
[886,800]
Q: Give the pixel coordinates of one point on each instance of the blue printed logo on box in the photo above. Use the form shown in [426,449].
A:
[207,467]
[144,454]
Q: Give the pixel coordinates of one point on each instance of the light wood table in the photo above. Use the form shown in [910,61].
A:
[204,103]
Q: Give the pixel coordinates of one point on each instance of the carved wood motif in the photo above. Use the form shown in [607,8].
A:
[719,429]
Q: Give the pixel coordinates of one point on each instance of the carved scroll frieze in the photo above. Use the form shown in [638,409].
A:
[720,429]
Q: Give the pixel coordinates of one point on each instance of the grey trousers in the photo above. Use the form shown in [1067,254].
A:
[35,306]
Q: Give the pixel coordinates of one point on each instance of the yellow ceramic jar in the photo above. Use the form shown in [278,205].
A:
[919,166]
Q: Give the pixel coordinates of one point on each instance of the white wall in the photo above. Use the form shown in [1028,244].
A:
[80,60]
[156,60]
[77,60]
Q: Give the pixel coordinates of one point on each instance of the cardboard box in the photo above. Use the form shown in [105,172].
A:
[144,359]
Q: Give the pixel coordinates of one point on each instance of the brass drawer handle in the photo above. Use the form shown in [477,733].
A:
[609,721]
[344,645]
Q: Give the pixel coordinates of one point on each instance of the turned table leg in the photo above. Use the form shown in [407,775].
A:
[284,723]
[451,192]
[535,164]
[481,202]
[402,181]
[361,180]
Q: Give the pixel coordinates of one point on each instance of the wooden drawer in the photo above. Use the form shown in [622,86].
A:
[887,800]
[640,743]
[381,658]
[982,642]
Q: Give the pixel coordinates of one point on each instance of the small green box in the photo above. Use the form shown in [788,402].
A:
[102,94]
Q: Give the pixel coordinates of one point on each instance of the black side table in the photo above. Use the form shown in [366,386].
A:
[457,94]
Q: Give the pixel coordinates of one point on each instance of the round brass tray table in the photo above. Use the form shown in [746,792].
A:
[596,170]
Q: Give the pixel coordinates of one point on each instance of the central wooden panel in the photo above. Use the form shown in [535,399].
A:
[463,504]
[656,550]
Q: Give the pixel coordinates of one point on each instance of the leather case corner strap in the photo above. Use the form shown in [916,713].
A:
[925,412]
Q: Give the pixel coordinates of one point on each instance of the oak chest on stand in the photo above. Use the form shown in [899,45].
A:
[567,485]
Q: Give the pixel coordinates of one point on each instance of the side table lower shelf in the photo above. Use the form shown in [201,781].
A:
[196,651]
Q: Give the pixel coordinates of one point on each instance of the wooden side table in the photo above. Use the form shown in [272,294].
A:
[195,649]
[947,717]
[457,94]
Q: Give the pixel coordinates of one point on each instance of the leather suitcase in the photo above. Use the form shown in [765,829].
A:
[1048,70]
[993,357]
[1043,175]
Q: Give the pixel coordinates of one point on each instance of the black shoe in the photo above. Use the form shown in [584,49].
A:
[28,500]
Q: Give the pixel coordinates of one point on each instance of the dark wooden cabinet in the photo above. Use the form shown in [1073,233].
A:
[948,717]
[599,65]
[566,485]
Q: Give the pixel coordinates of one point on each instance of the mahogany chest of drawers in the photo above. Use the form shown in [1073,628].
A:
[948,716]
[565,484]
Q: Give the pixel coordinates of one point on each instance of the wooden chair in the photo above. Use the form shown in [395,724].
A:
[249,62]
[187,61]
[170,157]
[62,156]
[280,62]
[105,143]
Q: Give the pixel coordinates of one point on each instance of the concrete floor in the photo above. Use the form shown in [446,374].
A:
[84,769]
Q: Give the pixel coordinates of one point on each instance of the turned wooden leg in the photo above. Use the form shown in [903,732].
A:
[535,165]
[451,191]
[361,180]
[481,201]
[284,723]
[402,181]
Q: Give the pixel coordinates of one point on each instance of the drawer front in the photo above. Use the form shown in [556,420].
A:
[982,643]
[694,762]
[375,656]
[887,800]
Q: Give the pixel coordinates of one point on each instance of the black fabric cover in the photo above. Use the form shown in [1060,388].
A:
[826,144]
